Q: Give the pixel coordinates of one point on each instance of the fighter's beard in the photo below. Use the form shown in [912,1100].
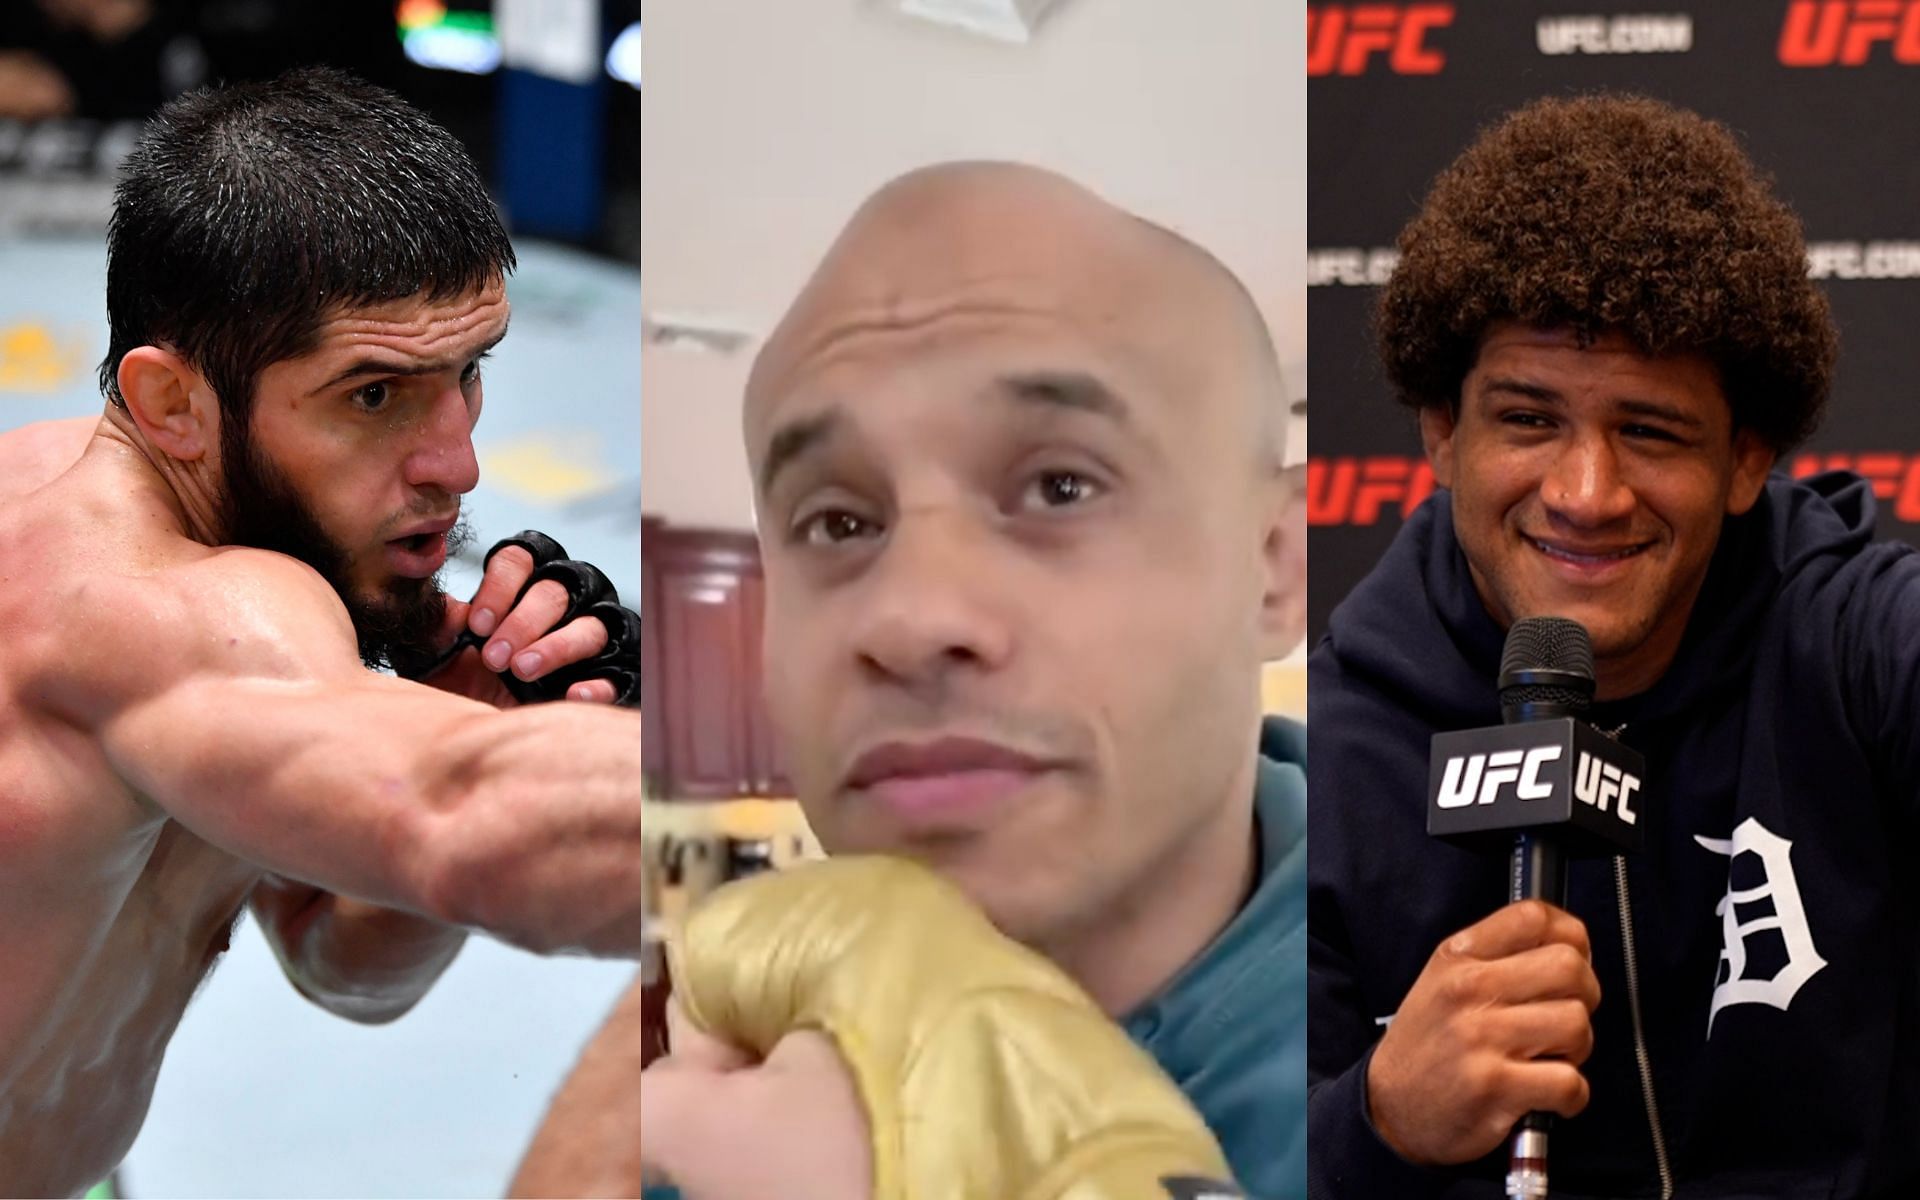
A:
[398,628]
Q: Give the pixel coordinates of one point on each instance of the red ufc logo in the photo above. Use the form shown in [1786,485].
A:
[1341,38]
[1823,33]
[1895,477]
[1354,491]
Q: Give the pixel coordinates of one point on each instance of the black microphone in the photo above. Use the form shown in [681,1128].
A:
[1540,786]
[1546,673]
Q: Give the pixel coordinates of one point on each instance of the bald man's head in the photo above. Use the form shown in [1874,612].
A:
[1265,391]
[948,233]
[1018,485]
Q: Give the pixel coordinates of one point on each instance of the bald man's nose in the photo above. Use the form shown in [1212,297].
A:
[443,456]
[929,605]
[1584,485]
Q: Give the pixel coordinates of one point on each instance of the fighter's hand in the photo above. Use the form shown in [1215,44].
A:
[564,635]
[722,1127]
[467,673]
[527,638]
[1495,1027]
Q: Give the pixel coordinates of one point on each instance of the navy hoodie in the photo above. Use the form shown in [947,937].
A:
[1783,762]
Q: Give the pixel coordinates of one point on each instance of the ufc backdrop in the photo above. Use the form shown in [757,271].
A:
[1825,94]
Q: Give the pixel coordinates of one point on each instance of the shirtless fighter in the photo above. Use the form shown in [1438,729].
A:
[303,277]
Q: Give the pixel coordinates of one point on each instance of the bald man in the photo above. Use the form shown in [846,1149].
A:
[1017,459]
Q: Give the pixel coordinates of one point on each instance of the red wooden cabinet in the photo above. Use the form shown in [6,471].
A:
[707,730]
[763,744]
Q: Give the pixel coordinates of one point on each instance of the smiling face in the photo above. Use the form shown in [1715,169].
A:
[357,453]
[1020,547]
[1591,483]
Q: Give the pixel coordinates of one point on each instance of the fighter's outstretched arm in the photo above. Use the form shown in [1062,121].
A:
[229,694]
[360,961]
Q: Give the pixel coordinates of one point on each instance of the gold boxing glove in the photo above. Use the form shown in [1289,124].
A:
[986,1073]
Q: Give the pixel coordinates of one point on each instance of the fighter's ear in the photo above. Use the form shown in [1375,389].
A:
[1752,459]
[1437,423]
[170,401]
[1283,616]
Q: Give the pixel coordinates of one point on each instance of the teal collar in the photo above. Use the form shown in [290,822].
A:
[1239,974]
[1230,1028]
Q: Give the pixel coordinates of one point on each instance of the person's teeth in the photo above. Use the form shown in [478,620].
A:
[1557,552]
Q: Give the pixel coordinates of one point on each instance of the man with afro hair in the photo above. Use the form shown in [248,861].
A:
[1603,321]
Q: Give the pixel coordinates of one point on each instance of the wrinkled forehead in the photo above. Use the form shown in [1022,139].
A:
[424,314]
[411,331]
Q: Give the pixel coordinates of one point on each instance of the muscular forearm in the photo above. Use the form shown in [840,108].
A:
[356,960]
[589,1145]
[523,822]
[539,842]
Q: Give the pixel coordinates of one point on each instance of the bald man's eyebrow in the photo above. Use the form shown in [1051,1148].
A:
[1073,390]
[794,441]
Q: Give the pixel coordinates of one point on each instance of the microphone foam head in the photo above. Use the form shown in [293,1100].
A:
[1548,644]
[1547,660]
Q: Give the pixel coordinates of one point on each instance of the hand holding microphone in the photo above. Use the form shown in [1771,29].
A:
[1493,1031]
[1495,1027]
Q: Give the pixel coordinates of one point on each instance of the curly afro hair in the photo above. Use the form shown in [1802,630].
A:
[1613,214]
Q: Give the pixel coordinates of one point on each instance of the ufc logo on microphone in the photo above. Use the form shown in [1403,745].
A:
[1825,33]
[1342,38]
[1559,773]
[1601,783]
[1478,778]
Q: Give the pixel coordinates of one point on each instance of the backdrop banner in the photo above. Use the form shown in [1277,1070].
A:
[1825,94]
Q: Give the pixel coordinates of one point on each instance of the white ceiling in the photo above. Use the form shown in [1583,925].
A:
[766,122]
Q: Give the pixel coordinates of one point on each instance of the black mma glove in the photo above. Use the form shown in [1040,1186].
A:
[589,594]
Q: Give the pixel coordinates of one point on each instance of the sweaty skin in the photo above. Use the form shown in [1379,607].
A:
[180,722]
[177,906]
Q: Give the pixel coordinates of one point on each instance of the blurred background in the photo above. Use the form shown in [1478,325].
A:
[264,1095]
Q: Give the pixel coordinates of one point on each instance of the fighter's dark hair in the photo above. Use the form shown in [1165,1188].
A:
[248,215]
[1613,213]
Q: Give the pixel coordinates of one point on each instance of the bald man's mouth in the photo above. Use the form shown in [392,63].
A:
[946,781]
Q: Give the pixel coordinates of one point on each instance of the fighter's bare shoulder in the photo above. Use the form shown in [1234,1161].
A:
[261,600]
[223,612]
[34,455]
